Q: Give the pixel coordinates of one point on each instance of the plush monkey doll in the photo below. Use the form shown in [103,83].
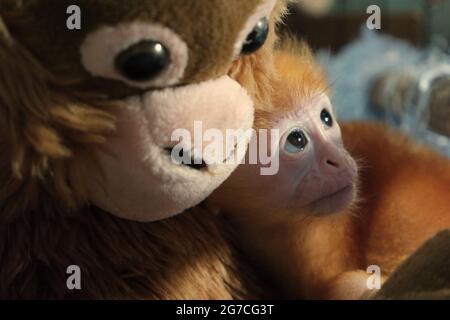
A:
[86,117]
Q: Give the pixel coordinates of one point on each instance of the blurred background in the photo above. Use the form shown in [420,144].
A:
[399,74]
[333,24]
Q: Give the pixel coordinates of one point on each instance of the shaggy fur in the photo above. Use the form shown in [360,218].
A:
[404,189]
[190,256]
[46,140]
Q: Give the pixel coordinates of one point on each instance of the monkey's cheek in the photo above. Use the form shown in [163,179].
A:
[139,180]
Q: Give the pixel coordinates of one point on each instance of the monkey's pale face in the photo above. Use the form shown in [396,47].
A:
[316,174]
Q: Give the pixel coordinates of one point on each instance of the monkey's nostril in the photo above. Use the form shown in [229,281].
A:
[332,163]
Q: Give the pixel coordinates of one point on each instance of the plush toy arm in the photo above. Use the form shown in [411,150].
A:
[424,275]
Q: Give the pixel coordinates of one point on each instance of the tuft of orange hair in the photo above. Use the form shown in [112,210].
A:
[301,75]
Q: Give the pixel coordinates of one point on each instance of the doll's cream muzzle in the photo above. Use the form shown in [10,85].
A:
[141,181]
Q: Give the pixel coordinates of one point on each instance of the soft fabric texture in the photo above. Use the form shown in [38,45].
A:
[101,47]
[139,179]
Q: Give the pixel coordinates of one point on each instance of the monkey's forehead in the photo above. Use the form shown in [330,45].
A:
[294,107]
[210,28]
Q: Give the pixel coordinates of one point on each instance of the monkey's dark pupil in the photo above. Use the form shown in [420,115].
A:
[326,118]
[296,141]
[257,37]
[143,61]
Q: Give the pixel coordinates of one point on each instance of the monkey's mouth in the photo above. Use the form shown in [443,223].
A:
[333,202]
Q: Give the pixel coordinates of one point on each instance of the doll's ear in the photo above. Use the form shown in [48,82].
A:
[25,104]
[21,76]
[37,117]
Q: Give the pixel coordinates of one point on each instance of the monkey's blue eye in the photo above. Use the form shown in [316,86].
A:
[326,118]
[296,141]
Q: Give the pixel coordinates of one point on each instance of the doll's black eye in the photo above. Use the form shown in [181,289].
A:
[296,141]
[143,61]
[257,37]
[326,118]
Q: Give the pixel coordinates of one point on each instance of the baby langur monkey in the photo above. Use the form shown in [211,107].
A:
[288,219]
[319,223]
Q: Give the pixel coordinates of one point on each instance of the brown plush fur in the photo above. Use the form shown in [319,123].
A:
[47,225]
[47,140]
[187,257]
[210,52]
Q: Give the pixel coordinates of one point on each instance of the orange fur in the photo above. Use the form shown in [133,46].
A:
[299,76]
[405,191]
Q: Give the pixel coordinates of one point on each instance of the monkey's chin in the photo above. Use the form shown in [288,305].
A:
[333,203]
